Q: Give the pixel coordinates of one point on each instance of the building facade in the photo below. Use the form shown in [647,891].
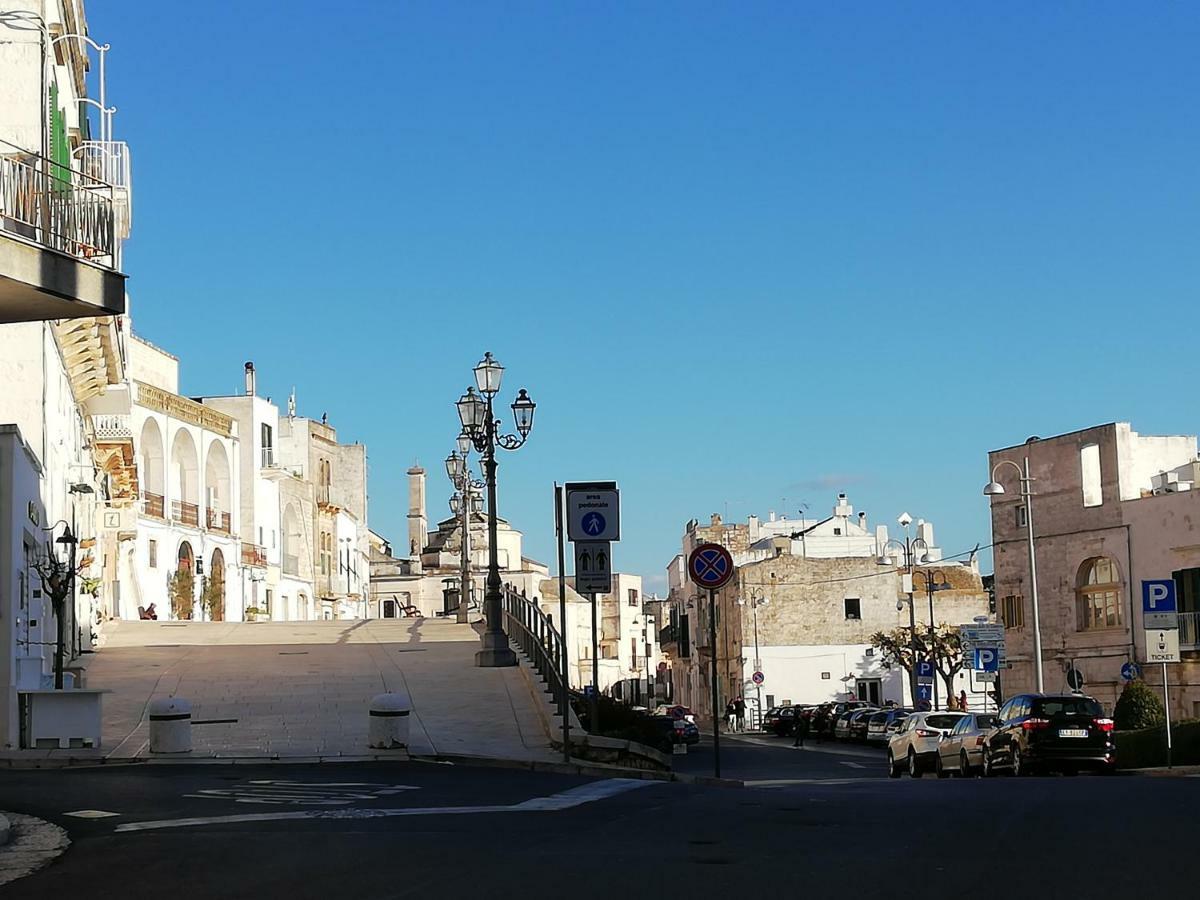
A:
[1110,509]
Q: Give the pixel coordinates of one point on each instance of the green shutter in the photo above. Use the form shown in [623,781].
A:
[60,152]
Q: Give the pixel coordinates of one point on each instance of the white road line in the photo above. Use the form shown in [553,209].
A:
[298,793]
[852,765]
[91,814]
[578,796]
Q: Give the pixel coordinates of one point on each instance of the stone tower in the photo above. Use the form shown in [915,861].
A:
[418,526]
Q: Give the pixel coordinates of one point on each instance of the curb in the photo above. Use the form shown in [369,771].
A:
[5,829]
[1164,772]
[596,770]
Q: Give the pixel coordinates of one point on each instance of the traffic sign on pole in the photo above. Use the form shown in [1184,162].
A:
[924,671]
[986,659]
[1162,645]
[593,567]
[1159,605]
[1130,671]
[710,566]
[593,511]
[758,678]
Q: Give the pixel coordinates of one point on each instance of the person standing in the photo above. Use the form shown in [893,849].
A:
[730,716]
[962,700]
[739,709]
[801,729]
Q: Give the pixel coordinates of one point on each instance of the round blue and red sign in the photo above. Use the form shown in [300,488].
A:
[710,566]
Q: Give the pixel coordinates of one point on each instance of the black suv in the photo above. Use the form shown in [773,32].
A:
[1051,732]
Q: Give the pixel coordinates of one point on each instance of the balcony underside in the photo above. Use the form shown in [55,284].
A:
[37,283]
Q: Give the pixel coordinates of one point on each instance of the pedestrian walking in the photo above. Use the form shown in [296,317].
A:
[962,700]
[801,729]
[730,716]
[739,708]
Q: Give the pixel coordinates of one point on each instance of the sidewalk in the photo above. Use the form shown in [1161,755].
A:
[299,690]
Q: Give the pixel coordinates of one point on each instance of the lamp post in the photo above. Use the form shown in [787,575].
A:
[927,576]
[483,428]
[910,544]
[994,488]
[59,582]
[465,503]
[756,600]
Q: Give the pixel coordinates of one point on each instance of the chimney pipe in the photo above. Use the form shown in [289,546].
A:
[251,384]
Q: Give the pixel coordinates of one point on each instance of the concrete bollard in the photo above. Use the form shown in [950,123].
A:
[388,728]
[170,725]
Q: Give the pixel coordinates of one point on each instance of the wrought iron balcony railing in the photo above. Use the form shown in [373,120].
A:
[185,513]
[56,206]
[217,520]
[152,505]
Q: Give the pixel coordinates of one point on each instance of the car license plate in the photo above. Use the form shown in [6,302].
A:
[1072,732]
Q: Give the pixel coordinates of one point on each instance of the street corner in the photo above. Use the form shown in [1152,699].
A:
[28,844]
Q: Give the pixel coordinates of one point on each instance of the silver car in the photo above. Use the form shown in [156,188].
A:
[961,751]
[914,747]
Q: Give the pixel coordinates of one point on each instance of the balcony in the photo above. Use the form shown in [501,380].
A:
[185,513]
[254,555]
[217,520]
[59,246]
[1189,631]
[152,505]
[113,428]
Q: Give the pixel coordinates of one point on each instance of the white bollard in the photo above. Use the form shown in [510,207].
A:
[170,725]
[388,728]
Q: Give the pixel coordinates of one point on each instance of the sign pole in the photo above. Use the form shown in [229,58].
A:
[712,643]
[562,624]
[1167,709]
[595,729]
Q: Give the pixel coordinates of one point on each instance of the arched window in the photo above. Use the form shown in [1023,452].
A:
[1098,595]
[185,556]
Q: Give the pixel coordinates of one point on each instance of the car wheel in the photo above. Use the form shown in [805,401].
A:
[964,765]
[1019,766]
[914,765]
[942,771]
[893,768]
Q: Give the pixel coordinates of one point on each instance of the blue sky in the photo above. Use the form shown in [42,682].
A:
[742,255]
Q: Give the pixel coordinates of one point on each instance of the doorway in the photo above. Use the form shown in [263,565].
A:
[870,690]
[389,609]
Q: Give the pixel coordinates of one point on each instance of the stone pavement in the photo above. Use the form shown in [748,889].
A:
[301,689]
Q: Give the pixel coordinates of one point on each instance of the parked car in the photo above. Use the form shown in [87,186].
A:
[836,711]
[914,746]
[670,731]
[1051,732]
[771,720]
[859,720]
[884,722]
[667,710]
[961,752]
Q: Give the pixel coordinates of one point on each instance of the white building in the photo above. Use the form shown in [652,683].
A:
[189,518]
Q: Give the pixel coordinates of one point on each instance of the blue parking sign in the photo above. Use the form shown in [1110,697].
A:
[987,659]
[1158,596]
[925,668]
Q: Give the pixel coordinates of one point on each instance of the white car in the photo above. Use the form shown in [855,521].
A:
[914,746]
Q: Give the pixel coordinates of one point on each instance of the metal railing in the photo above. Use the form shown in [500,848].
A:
[217,520]
[108,161]
[531,630]
[268,458]
[253,555]
[112,427]
[56,206]
[152,505]
[185,513]
[1189,631]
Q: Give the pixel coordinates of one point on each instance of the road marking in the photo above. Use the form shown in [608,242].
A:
[788,782]
[298,793]
[91,814]
[587,793]
[852,765]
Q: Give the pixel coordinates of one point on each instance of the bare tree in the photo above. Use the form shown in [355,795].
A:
[896,647]
[58,581]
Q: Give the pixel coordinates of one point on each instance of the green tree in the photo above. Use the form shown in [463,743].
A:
[896,648]
[1138,707]
[182,591]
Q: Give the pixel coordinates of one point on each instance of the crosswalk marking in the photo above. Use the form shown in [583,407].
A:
[300,794]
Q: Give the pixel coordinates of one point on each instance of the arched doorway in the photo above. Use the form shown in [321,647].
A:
[182,587]
[215,601]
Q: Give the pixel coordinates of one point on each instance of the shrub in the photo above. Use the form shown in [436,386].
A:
[182,590]
[1138,707]
[1148,747]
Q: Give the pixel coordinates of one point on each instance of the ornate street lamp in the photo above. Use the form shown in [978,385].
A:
[482,428]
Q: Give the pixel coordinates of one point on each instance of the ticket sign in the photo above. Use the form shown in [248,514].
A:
[1162,645]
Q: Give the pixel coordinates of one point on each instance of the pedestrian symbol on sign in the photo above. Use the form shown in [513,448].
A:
[593,523]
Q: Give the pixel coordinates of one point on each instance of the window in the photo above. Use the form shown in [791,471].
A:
[1022,517]
[267,601]
[1012,612]
[837,532]
[853,608]
[268,446]
[153,554]
[825,676]
[633,597]
[1098,595]
[633,650]
[1089,470]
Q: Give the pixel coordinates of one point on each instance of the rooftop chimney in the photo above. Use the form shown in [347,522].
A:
[862,521]
[251,384]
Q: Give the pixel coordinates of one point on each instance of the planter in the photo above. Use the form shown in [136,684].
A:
[60,720]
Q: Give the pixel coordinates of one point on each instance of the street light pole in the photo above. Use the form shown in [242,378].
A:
[463,504]
[757,599]
[481,425]
[909,546]
[994,488]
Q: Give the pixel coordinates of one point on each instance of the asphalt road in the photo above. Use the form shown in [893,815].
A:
[811,834]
